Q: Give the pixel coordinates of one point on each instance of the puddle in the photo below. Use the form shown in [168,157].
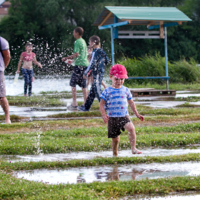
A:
[91,155]
[44,83]
[106,173]
[188,95]
[161,104]
[35,112]
[176,196]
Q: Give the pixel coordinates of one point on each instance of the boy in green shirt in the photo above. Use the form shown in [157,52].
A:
[81,62]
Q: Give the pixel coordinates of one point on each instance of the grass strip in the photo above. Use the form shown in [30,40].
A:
[76,114]
[101,131]
[141,109]
[8,166]
[13,188]
[158,120]
[14,118]
[20,144]
[34,101]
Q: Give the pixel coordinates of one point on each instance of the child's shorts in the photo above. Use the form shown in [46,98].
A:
[116,124]
[77,77]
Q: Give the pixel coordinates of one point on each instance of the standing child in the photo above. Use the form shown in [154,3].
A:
[116,98]
[97,64]
[81,62]
[27,57]
[89,75]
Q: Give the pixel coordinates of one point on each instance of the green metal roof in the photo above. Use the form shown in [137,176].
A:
[141,15]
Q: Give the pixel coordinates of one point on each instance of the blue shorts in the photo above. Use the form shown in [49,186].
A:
[77,77]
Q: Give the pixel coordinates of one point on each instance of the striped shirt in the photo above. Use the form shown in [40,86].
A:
[116,101]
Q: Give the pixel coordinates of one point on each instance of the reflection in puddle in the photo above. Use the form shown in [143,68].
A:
[91,155]
[106,173]
[176,196]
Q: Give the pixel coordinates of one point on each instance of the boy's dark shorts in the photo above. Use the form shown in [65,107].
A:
[115,125]
[77,77]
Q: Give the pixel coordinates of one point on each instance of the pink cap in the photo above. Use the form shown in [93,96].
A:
[119,71]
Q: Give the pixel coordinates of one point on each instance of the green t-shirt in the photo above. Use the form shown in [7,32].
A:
[80,47]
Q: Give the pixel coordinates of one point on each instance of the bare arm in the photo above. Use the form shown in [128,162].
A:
[6,57]
[75,55]
[37,63]
[103,112]
[19,64]
[133,108]
[104,85]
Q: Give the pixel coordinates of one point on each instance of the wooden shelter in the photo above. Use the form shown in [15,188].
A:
[153,17]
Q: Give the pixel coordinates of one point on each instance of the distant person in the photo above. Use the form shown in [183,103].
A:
[116,99]
[97,64]
[4,61]
[28,58]
[89,75]
[81,62]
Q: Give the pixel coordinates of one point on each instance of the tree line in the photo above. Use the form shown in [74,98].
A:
[49,24]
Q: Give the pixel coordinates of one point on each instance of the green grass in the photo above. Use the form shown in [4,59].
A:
[180,71]
[14,118]
[101,131]
[34,101]
[143,110]
[60,143]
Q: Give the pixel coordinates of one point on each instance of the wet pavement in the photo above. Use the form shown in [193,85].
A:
[176,196]
[44,83]
[59,84]
[92,155]
[107,173]
[39,111]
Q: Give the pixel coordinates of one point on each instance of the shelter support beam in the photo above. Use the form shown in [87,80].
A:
[116,28]
[150,24]
[166,59]
[105,19]
[164,25]
[111,26]
[112,45]
[161,30]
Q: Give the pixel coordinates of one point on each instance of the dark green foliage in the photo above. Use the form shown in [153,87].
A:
[49,25]
[179,71]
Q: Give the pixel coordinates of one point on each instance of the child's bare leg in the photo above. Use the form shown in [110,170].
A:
[84,94]
[74,103]
[5,105]
[115,145]
[132,137]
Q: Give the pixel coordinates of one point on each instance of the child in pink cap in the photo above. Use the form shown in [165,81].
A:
[116,99]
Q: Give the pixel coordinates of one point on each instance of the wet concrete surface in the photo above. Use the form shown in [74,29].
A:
[107,173]
[154,102]
[91,155]
[161,104]
[175,196]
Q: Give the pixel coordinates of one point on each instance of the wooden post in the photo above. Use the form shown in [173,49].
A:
[105,19]
[150,24]
[161,30]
